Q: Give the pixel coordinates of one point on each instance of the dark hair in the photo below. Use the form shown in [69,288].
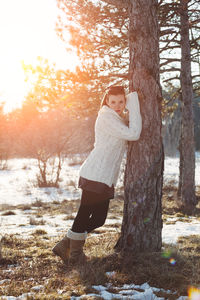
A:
[113,90]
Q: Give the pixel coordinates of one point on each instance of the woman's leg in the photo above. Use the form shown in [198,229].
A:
[92,212]
[81,219]
[77,235]
[83,214]
[98,215]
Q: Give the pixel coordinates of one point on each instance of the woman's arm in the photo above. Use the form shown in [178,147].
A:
[135,119]
[115,127]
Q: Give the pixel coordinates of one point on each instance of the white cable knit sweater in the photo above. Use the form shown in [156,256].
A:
[111,134]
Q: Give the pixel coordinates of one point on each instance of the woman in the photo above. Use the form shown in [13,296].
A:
[99,173]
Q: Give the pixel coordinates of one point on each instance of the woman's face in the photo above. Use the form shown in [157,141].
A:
[117,103]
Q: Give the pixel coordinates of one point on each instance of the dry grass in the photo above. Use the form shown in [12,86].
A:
[34,264]
[172,206]
[8,213]
[29,262]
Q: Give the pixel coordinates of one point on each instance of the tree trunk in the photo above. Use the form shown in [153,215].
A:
[142,219]
[188,198]
[180,166]
[0,251]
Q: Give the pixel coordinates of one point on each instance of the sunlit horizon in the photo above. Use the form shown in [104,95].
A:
[27,30]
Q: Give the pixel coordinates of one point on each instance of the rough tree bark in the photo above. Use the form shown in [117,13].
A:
[187,147]
[180,164]
[142,219]
[0,251]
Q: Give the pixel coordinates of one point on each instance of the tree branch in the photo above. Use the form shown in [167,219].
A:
[170,79]
[169,59]
[195,76]
[195,22]
[168,47]
[170,70]
[119,3]
[195,2]
[167,31]
[124,76]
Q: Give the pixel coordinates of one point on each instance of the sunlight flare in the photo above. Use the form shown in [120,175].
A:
[27,30]
[194,293]
[172,261]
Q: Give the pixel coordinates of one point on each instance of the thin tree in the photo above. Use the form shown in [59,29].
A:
[187,146]
[181,19]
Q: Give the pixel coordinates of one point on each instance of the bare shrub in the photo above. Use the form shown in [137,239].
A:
[49,169]
[46,139]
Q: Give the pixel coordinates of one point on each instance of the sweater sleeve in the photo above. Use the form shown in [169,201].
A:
[115,127]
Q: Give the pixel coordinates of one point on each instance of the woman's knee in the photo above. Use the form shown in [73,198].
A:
[100,221]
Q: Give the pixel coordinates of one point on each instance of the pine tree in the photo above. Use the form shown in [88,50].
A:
[142,222]
[187,146]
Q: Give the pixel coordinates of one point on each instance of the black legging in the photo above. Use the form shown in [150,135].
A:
[92,212]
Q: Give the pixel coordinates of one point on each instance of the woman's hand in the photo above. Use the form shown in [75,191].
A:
[131,101]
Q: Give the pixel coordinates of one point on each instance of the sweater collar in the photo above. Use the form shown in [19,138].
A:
[106,108]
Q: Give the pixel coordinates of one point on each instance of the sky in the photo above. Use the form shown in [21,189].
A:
[27,30]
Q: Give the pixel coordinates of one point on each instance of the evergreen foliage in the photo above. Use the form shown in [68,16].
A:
[99,33]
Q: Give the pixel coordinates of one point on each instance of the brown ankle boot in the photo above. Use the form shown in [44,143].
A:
[77,241]
[62,249]
[76,252]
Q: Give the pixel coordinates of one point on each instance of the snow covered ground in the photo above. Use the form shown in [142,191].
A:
[126,292]
[18,183]
[171,172]
[17,186]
